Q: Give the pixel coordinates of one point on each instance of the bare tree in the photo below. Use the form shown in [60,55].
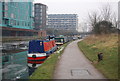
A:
[115,20]
[106,13]
[109,16]
[103,22]
[94,18]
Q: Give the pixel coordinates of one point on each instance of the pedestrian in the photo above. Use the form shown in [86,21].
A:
[100,57]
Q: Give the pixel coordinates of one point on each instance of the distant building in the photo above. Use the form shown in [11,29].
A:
[1,13]
[16,18]
[40,16]
[63,21]
[42,33]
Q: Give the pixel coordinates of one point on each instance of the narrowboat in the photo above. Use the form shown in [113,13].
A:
[60,40]
[39,50]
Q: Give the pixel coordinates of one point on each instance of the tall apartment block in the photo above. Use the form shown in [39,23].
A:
[40,16]
[0,14]
[16,18]
[63,21]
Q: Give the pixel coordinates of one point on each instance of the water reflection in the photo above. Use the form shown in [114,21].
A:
[31,70]
[14,66]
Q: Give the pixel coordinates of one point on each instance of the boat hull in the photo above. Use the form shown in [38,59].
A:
[36,59]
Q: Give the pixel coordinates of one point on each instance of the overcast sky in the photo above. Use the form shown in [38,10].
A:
[80,7]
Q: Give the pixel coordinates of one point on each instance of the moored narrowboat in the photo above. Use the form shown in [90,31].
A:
[61,40]
[39,50]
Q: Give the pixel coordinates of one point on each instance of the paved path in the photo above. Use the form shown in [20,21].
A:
[74,65]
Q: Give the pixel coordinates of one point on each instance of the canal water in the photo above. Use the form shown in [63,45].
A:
[14,66]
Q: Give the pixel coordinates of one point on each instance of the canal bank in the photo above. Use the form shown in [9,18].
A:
[46,70]
[13,57]
[6,39]
[14,60]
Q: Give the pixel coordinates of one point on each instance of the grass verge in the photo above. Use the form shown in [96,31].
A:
[108,44]
[46,70]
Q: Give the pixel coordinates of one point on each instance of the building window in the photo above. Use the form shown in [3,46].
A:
[18,23]
[0,21]
[25,23]
[14,22]
[37,6]
[6,21]
[5,14]
[11,22]
[12,15]
[28,24]
[22,23]
[6,7]
[41,7]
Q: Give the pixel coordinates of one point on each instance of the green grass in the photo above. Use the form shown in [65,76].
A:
[109,65]
[46,70]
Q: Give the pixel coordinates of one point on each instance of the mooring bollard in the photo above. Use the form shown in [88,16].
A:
[100,57]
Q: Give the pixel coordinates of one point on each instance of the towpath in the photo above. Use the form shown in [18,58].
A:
[74,65]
